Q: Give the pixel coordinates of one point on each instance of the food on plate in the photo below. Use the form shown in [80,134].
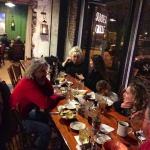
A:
[67,114]
[78,93]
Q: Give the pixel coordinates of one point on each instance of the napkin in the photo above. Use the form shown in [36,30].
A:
[91,94]
[74,102]
[140,135]
[106,128]
[102,138]
[77,139]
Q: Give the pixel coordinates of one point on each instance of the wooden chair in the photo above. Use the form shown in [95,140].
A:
[20,139]
[15,73]
[2,51]
[25,63]
[12,76]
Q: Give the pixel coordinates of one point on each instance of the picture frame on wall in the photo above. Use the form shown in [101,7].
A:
[2,23]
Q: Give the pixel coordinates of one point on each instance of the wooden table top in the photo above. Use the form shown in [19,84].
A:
[110,119]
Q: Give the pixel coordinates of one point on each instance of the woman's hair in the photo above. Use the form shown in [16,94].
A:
[140,94]
[75,50]
[103,85]
[99,65]
[35,64]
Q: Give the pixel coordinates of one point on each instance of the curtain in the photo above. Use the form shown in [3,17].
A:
[19,14]
[28,42]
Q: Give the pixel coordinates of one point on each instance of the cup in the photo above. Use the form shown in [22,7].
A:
[122,129]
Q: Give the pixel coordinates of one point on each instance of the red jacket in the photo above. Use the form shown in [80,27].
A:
[28,93]
[145,146]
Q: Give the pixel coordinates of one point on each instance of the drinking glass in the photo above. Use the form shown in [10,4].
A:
[84,136]
[102,105]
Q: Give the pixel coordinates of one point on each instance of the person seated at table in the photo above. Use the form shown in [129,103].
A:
[134,100]
[17,49]
[103,88]
[117,145]
[34,95]
[97,71]
[74,62]
[4,40]
[5,121]
[146,129]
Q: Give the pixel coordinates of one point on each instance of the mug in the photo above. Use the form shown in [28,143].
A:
[122,129]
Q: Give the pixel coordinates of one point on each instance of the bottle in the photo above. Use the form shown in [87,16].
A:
[96,124]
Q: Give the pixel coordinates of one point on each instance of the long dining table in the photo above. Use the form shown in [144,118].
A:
[110,118]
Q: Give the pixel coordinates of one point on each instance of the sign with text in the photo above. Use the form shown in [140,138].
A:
[100,20]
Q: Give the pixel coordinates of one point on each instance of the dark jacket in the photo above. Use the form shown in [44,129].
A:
[123,111]
[5,113]
[72,69]
[92,78]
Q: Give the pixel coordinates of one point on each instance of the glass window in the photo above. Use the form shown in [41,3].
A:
[108,27]
[141,61]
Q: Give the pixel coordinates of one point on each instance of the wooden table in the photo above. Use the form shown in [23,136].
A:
[110,118]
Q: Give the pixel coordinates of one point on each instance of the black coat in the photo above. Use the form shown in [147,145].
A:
[92,78]
[5,126]
[72,69]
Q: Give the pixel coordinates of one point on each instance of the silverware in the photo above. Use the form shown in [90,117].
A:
[54,113]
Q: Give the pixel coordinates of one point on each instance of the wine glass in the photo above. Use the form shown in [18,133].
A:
[102,105]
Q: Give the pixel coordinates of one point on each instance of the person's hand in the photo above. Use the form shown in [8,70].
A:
[68,59]
[115,145]
[80,76]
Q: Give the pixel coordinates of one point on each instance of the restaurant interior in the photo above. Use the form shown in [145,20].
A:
[117,31]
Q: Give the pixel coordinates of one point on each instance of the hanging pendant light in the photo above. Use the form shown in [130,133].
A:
[12,24]
[44,25]
[10,4]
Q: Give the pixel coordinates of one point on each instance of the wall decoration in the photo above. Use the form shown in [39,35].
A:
[44,25]
[2,23]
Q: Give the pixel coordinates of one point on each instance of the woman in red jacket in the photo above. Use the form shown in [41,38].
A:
[34,90]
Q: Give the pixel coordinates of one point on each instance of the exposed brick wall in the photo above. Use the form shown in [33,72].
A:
[72,20]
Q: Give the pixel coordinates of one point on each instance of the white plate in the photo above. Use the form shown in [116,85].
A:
[76,93]
[77,125]
[60,108]
[70,106]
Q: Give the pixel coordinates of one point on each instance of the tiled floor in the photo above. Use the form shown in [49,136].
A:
[3,72]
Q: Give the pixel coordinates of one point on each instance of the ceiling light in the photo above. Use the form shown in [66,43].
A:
[112,19]
[146,33]
[9,4]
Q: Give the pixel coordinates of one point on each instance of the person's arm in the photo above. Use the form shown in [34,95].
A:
[68,59]
[80,76]
[114,145]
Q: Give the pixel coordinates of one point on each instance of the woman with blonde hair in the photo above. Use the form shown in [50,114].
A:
[74,62]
